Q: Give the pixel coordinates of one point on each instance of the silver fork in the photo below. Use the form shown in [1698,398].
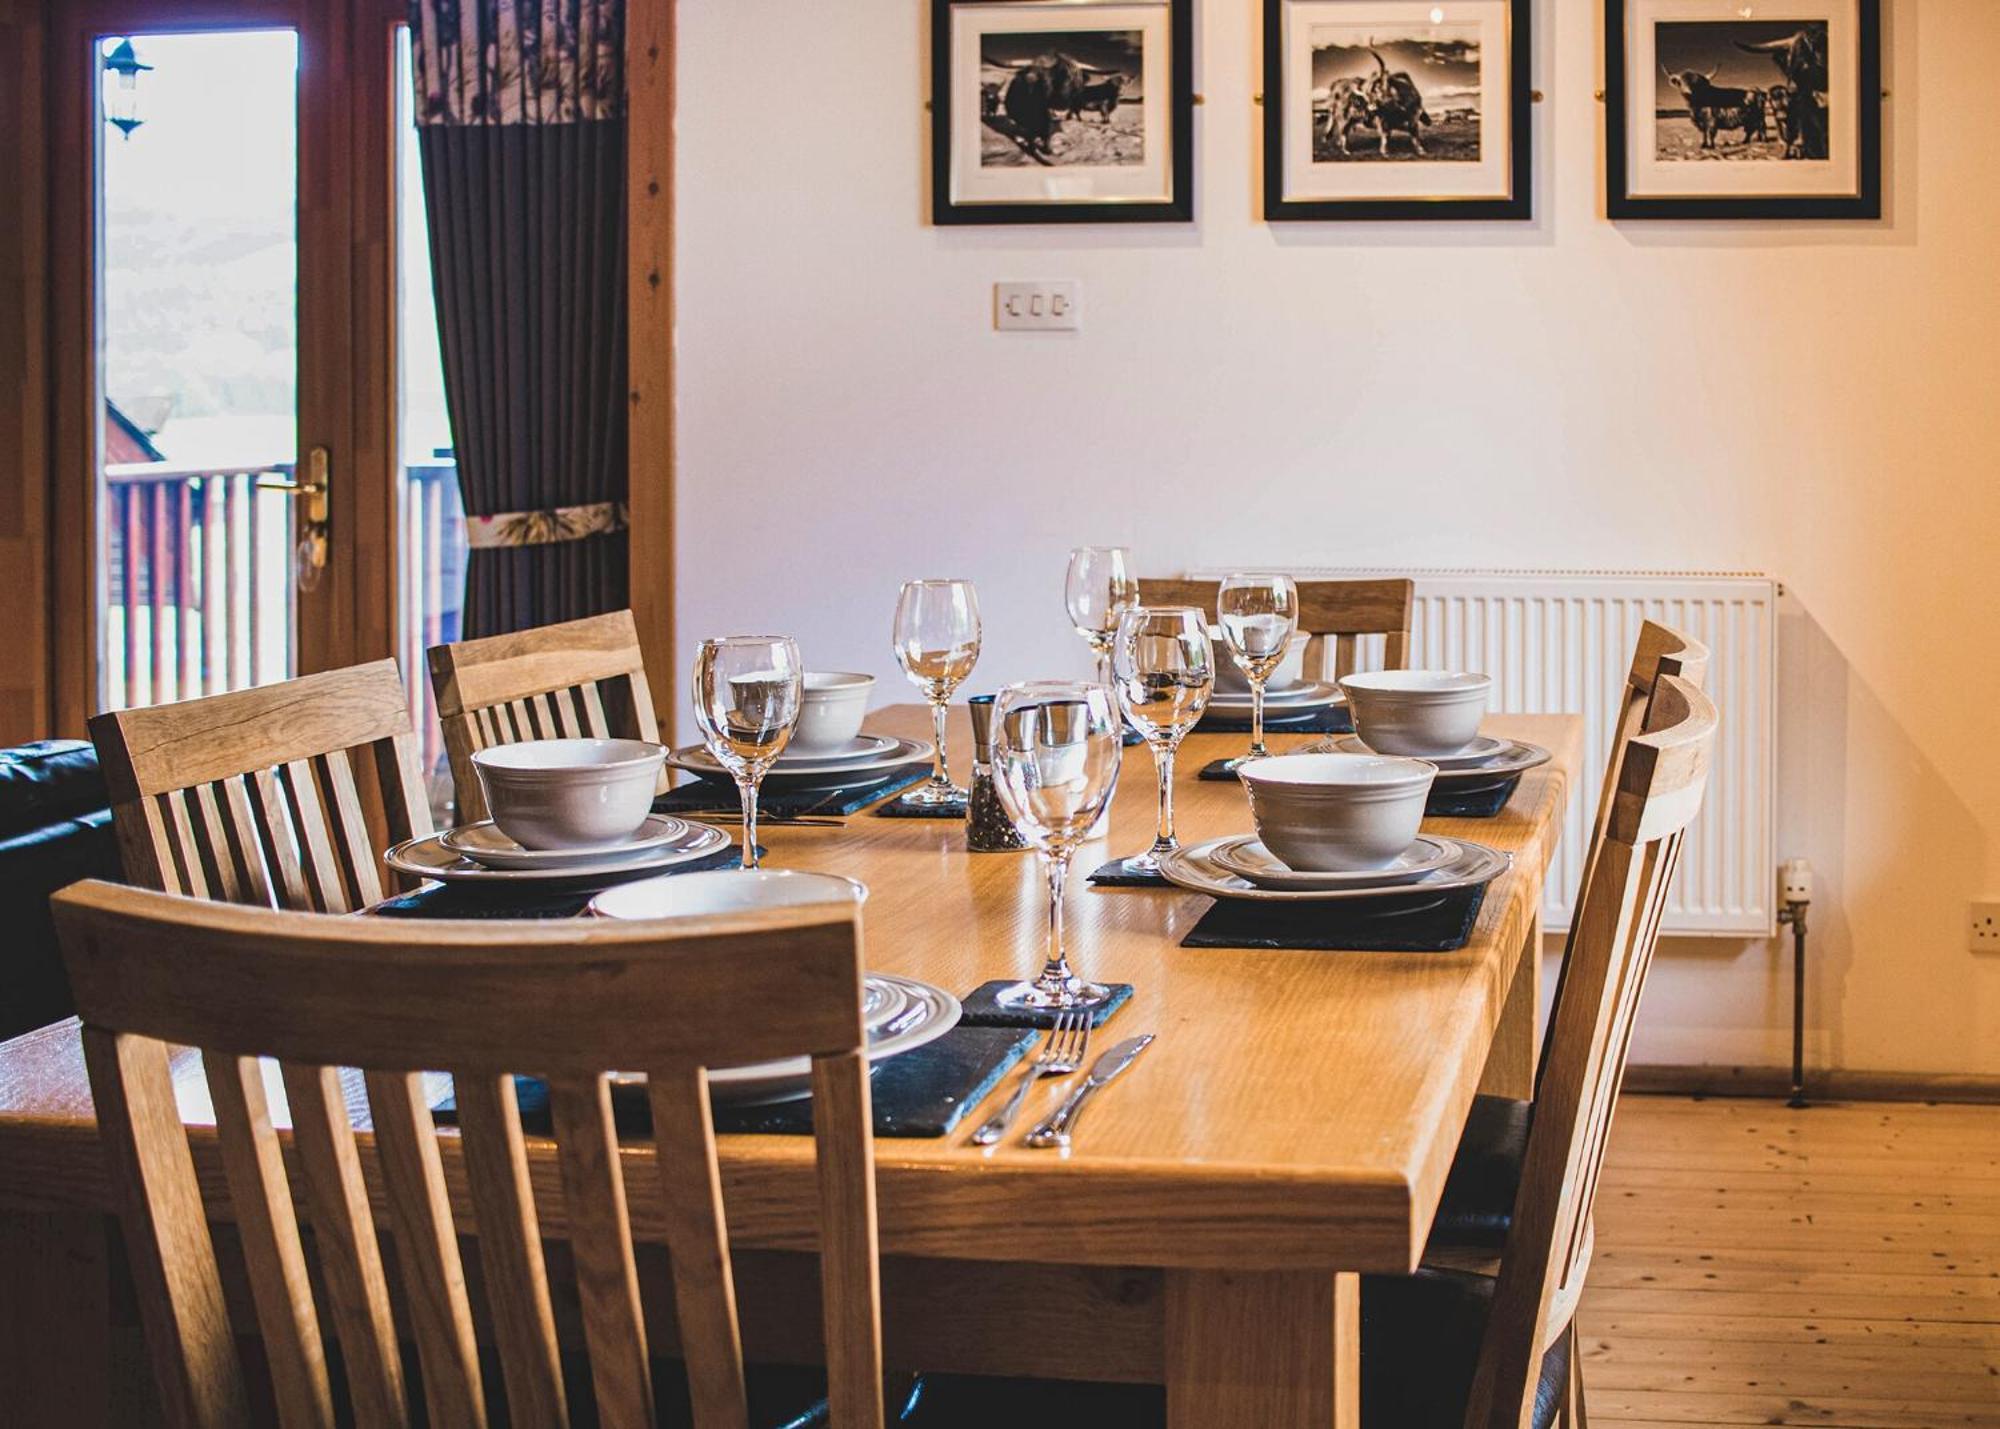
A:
[1067,1045]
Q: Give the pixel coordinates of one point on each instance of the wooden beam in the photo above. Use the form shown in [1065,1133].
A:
[649,177]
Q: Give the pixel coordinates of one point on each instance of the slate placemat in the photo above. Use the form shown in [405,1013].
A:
[1119,874]
[1469,800]
[714,796]
[902,809]
[1412,923]
[1327,719]
[983,1009]
[457,900]
[924,1092]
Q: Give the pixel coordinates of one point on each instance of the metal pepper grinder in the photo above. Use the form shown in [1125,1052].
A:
[987,827]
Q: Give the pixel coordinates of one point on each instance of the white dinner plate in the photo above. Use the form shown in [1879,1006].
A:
[926,1015]
[1194,868]
[1307,695]
[1513,757]
[428,857]
[1246,857]
[484,843]
[1482,750]
[817,774]
[862,746]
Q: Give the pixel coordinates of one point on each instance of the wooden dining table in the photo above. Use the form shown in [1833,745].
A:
[1289,1130]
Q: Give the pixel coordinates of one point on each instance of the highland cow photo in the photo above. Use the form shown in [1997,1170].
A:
[1714,109]
[1073,112]
[1383,95]
[1403,109]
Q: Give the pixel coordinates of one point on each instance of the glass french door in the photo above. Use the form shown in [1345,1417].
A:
[263,462]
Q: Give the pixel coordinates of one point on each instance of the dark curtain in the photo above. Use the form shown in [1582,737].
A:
[520,107]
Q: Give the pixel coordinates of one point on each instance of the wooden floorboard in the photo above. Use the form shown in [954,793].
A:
[1755,1265]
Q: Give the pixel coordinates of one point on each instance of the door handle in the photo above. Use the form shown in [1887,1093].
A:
[314,519]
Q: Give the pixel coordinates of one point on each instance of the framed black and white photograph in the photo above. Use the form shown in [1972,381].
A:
[1396,109]
[1718,109]
[1062,111]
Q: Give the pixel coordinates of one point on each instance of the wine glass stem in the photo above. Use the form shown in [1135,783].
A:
[1163,769]
[940,768]
[1257,750]
[1055,971]
[747,787]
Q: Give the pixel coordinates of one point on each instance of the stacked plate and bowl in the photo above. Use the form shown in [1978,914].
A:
[1343,821]
[827,749]
[566,812]
[1288,694]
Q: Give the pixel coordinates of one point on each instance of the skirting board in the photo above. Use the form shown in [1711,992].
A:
[1846,1086]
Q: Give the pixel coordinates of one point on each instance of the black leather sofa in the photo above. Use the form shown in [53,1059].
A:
[55,828]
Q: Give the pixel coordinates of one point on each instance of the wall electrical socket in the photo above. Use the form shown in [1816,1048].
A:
[1038,307]
[1983,929]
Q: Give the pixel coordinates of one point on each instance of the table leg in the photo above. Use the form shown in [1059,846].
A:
[1510,1063]
[55,1318]
[1263,1350]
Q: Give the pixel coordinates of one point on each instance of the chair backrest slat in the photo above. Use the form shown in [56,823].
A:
[510,1248]
[318,993]
[582,678]
[268,1228]
[1657,793]
[607,1274]
[345,1243]
[1334,613]
[255,796]
[426,1247]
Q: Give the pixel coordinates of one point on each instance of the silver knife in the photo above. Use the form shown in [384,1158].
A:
[1056,1129]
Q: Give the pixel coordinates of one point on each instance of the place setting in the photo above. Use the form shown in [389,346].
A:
[1435,715]
[569,816]
[1337,860]
[1262,685]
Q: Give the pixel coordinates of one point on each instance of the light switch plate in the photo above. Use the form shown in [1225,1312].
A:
[1038,307]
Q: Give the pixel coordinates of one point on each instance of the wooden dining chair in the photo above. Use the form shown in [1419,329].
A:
[1452,1349]
[1334,613]
[285,795]
[582,678]
[153,971]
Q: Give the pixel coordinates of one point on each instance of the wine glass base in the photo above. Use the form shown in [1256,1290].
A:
[1139,865]
[1034,997]
[934,795]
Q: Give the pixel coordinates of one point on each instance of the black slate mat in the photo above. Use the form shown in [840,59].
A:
[902,809]
[982,1007]
[1220,771]
[1469,800]
[1120,874]
[714,796]
[923,1092]
[1412,923]
[1327,719]
[456,900]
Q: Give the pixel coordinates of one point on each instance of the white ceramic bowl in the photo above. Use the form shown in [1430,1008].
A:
[569,793]
[1417,712]
[830,714]
[1229,676]
[1323,813]
[724,890]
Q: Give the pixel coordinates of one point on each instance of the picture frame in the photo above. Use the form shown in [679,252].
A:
[1398,109]
[1700,114]
[1062,111]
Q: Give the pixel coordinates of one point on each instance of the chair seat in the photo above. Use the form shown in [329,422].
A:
[1420,1338]
[1476,1209]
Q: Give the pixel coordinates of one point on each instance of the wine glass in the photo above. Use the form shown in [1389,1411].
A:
[1099,587]
[1258,615]
[1056,749]
[1165,667]
[747,693]
[937,644]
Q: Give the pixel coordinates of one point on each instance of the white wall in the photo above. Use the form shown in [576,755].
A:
[1815,401]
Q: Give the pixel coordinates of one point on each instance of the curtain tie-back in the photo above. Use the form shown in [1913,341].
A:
[542,528]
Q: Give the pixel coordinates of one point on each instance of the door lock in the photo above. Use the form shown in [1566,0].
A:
[313,515]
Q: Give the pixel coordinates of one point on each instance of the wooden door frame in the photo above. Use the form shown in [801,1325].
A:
[49,437]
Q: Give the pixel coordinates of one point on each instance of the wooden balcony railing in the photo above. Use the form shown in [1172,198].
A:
[199,589]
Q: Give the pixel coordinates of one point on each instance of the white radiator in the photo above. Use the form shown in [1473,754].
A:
[1558,643]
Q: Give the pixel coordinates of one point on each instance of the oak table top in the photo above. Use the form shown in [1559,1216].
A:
[1299,1109]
